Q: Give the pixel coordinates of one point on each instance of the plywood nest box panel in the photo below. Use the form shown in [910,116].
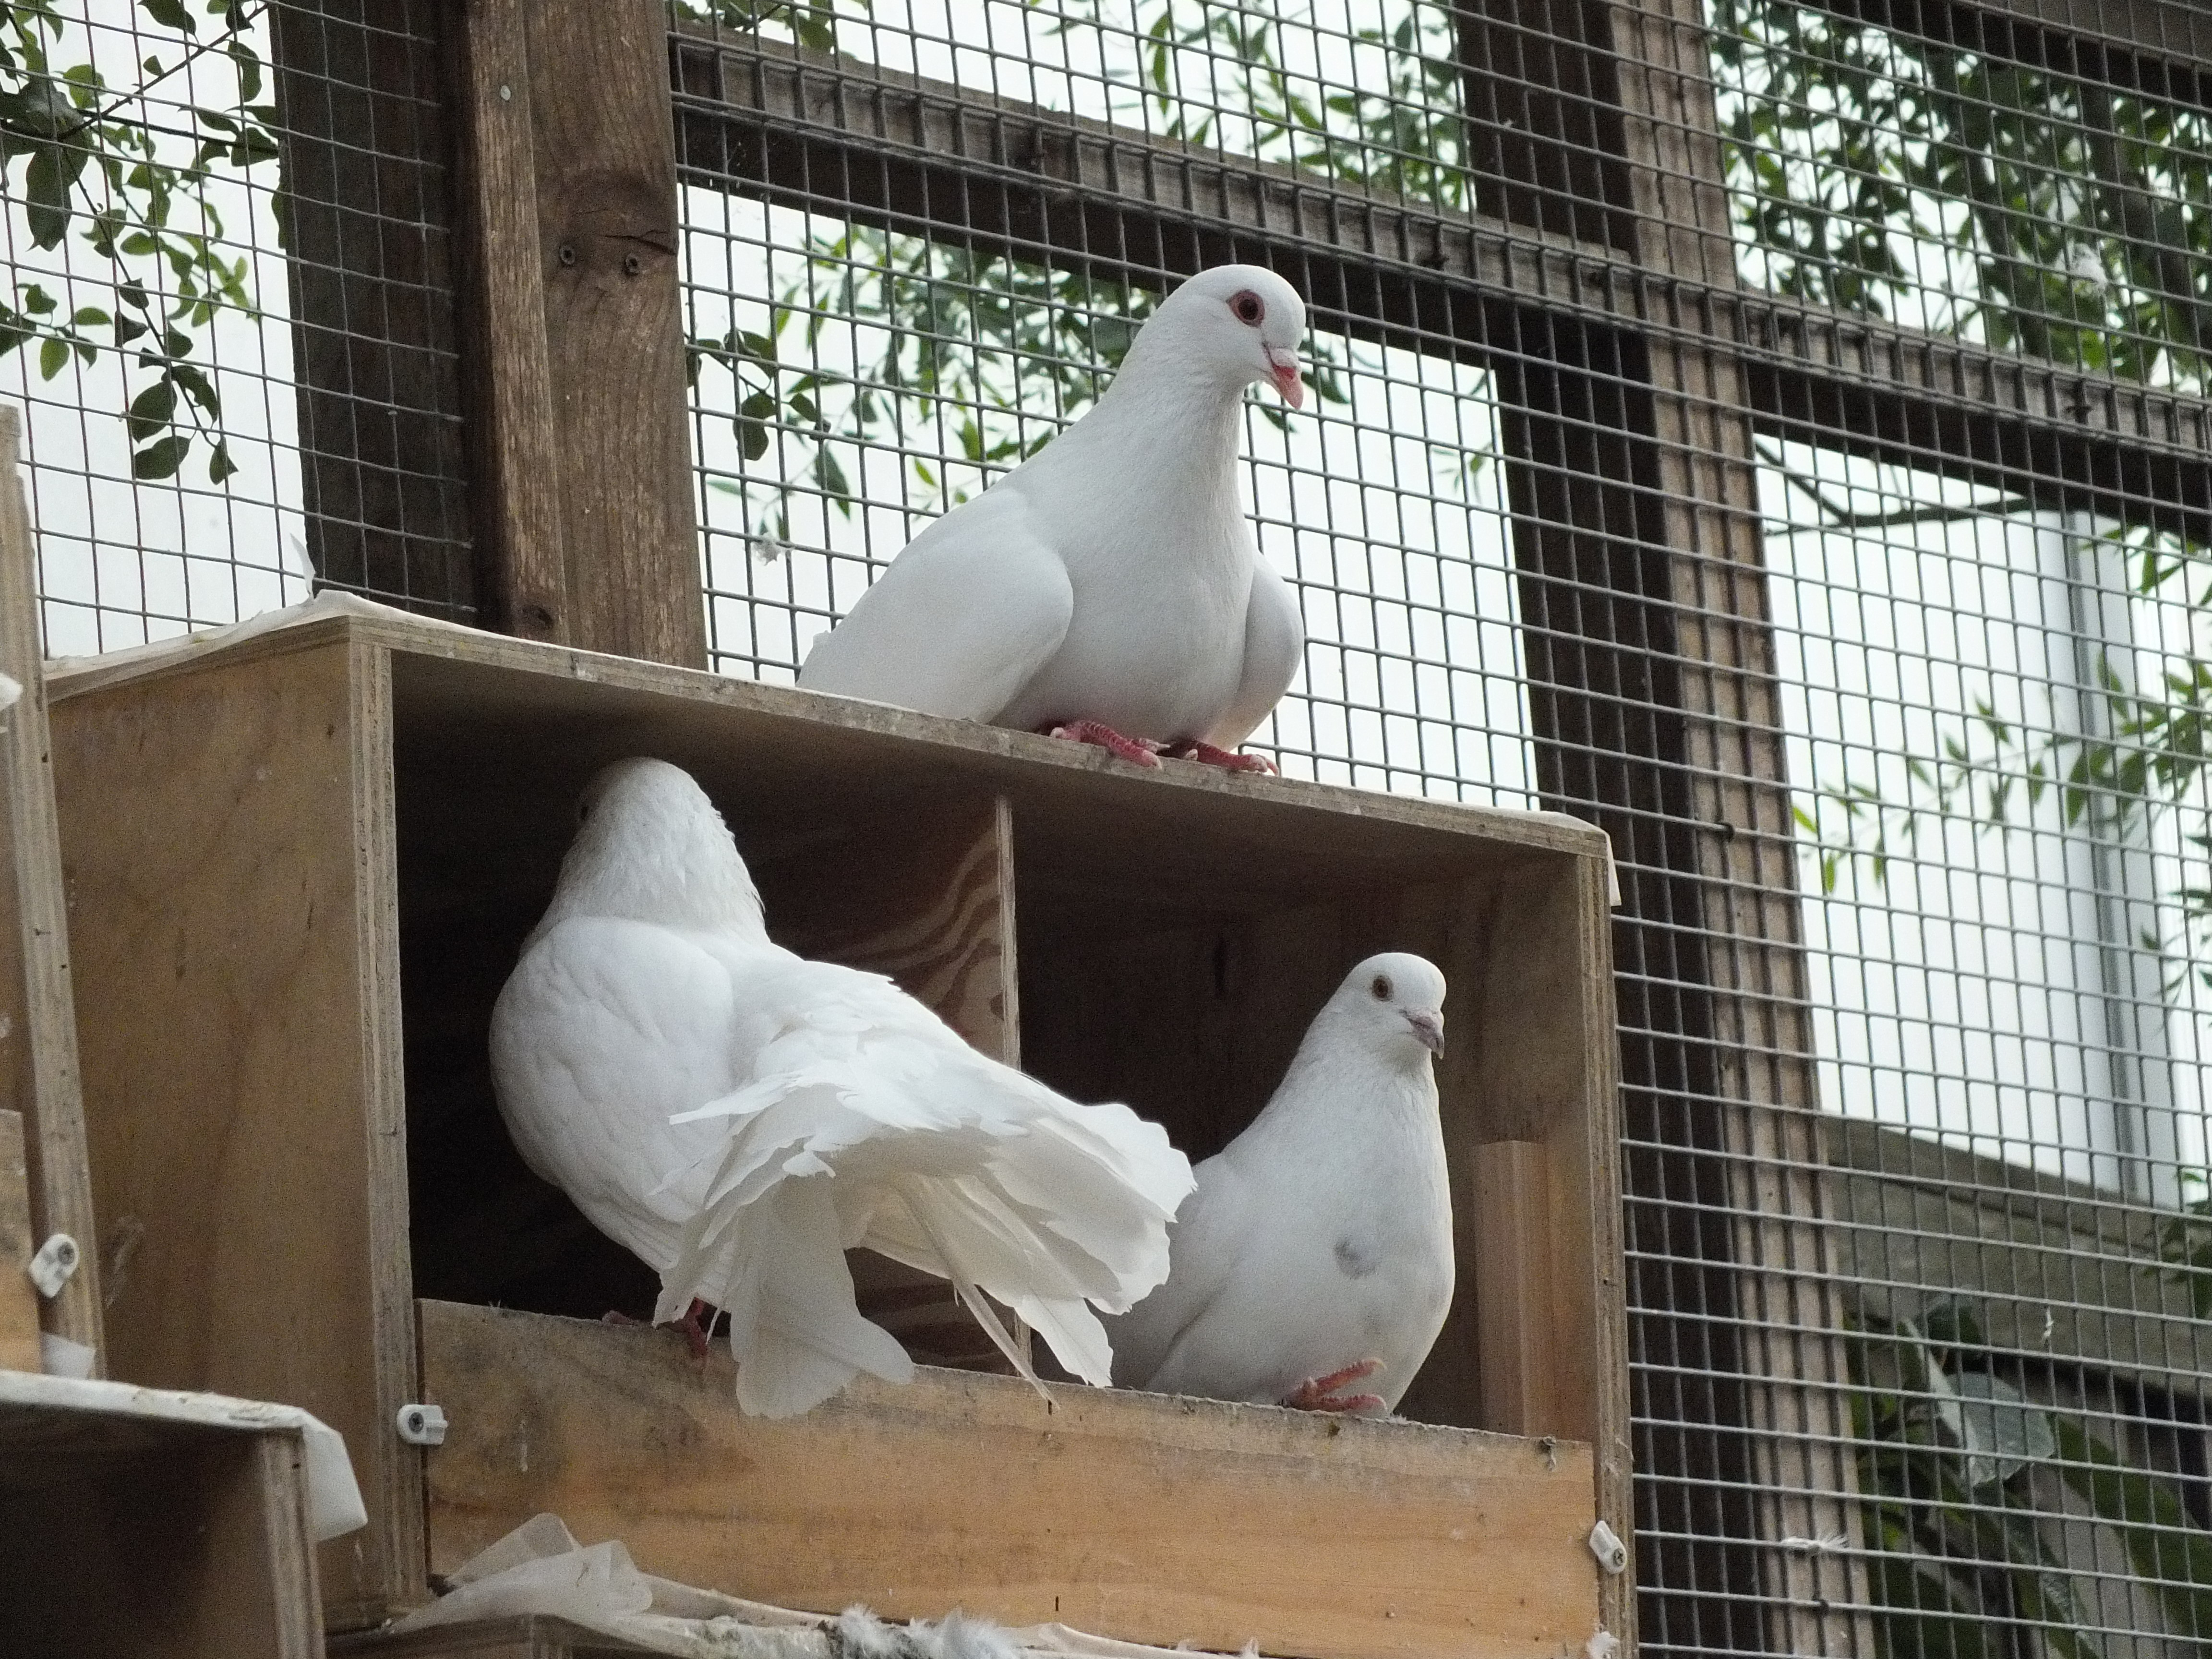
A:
[301,863]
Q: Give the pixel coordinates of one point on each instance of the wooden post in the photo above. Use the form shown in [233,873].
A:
[38,1013]
[19,1298]
[572,327]
[1787,1305]
[1514,1291]
[1653,684]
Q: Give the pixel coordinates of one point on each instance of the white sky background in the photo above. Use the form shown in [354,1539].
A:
[1959,1000]
[1966,994]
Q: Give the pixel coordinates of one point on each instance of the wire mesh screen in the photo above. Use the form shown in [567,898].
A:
[229,319]
[1918,1318]
[1774,431]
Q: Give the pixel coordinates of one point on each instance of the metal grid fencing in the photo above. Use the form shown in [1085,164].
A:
[1774,430]
[229,319]
[1920,1373]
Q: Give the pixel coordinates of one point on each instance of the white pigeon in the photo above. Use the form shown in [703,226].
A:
[1108,589]
[1317,1249]
[738,1117]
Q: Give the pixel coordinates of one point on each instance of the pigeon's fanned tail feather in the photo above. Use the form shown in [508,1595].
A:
[1008,1192]
[1072,1330]
[950,1267]
[797,1335]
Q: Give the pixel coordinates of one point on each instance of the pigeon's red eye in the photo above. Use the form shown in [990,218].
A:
[1381,988]
[1249,308]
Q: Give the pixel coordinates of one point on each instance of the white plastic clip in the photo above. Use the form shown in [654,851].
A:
[1605,1544]
[422,1425]
[51,1268]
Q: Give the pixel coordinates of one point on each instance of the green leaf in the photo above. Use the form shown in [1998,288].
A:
[46,195]
[152,409]
[170,14]
[53,357]
[221,467]
[160,459]
[248,65]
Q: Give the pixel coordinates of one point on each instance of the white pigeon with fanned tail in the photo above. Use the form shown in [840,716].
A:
[738,1117]
[1111,579]
[1317,1248]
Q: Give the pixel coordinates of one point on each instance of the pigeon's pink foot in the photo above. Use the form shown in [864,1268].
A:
[1135,750]
[1227,759]
[1319,1394]
[695,1335]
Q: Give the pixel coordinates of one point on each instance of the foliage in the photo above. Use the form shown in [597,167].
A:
[97,167]
[2140,756]
[1886,174]
[985,343]
[1969,1559]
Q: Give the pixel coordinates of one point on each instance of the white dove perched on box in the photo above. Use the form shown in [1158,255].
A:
[737,1117]
[1108,589]
[1317,1248]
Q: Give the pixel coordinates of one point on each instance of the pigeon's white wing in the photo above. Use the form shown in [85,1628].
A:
[931,1153]
[606,1029]
[966,615]
[1274,644]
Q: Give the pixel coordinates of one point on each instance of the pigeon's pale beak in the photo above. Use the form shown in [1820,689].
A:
[1428,1026]
[1284,365]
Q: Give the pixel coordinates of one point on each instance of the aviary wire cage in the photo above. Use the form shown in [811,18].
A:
[1777,431]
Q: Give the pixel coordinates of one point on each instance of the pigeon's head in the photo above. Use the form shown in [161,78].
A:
[650,847]
[1396,1001]
[1239,323]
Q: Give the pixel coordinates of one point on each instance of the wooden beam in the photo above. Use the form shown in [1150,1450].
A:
[1512,1255]
[815,128]
[38,1009]
[20,1349]
[2161,48]
[1735,844]
[1136,1516]
[575,329]
[834,132]
[513,449]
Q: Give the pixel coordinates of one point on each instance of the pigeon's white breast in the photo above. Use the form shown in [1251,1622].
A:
[1159,650]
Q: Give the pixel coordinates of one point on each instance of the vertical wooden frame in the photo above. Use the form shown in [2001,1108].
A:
[573,310]
[227,838]
[1790,1308]
[39,1068]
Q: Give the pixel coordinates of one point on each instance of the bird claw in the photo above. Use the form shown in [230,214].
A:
[1137,751]
[1319,1394]
[694,1334]
[1228,760]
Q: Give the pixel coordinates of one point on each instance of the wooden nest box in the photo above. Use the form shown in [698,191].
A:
[300,866]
